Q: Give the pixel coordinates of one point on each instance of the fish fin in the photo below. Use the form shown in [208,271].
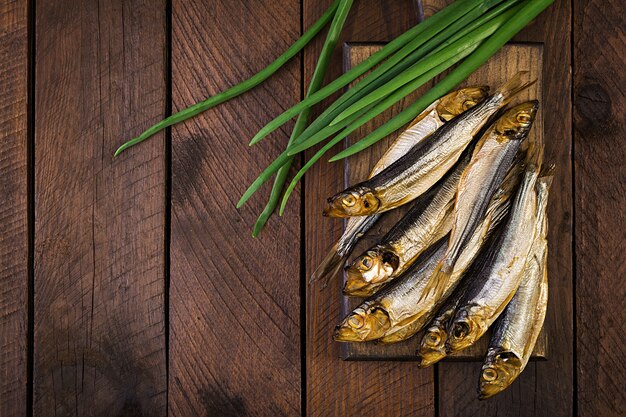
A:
[534,153]
[437,283]
[514,86]
[329,267]
[547,175]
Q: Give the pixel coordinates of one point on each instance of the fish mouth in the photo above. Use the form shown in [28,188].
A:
[426,359]
[499,371]
[357,288]
[332,211]
[372,326]
[334,207]
[345,333]
[432,348]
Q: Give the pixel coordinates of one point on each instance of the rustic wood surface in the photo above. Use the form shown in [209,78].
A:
[99,322]
[14,262]
[506,63]
[234,300]
[600,225]
[131,286]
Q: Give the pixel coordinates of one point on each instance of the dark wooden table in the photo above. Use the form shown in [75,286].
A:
[131,286]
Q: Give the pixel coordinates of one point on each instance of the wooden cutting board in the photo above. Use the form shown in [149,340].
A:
[507,62]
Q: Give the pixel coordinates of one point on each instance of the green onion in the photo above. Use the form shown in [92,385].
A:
[527,12]
[238,89]
[408,88]
[438,21]
[459,47]
[484,18]
[464,25]
[447,57]
[334,32]
[322,130]
[269,171]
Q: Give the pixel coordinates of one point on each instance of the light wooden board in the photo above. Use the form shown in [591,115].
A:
[511,59]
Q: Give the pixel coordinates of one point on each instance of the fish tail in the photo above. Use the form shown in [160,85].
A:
[514,86]
[329,267]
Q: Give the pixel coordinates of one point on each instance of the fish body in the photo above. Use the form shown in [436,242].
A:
[392,305]
[493,156]
[501,270]
[429,303]
[517,329]
[426,222]
[423,165]
[423,308]
[426,123]
[398,310]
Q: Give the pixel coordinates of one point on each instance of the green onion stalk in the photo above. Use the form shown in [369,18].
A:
[530,9]
[238,89]
[334,32]
[468,22]
[404,84]
[404,44]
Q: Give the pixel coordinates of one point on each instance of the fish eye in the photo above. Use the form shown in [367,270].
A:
[490,374]
[356,322]
[460,330]
[349,200]
[366,262]
[523,118]
[433,339]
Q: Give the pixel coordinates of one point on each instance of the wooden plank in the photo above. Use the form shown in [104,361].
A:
[600,151]
[545,388]
[510,60]
[235,311]
[336,387]
[14,207]
[99,232]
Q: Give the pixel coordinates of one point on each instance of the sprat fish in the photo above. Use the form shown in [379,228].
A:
[424,164]
[517,329]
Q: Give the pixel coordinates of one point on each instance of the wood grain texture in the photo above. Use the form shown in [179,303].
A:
[502,66]
[546,387]
[99,232]
[13,207]
[235,308]
[600,179]
[336,387]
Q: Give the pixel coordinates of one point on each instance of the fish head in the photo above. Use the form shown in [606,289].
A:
[432,348]
[356,201]
[374,267]
[466,327]
[498,372]
[517,121]
[366,322]
[459,101]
